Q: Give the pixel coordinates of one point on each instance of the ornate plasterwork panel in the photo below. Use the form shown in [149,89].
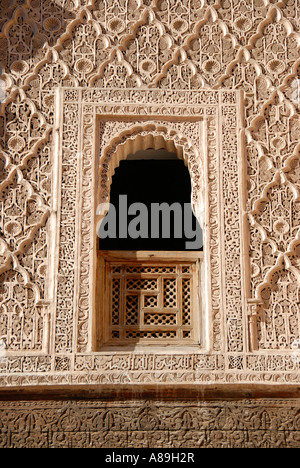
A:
[192,122]
[148,424]
[150,47]
[92,128]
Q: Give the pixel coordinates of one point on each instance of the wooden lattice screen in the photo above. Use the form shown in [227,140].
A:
[151,300]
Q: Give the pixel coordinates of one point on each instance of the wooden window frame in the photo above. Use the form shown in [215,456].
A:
[144,259]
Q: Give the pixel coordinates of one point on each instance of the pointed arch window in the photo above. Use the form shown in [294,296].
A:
[149,254]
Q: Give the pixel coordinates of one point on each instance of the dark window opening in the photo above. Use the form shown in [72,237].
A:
[151,225]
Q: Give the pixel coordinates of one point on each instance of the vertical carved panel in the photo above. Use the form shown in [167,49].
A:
[279,320]
[22,326]
[64,339]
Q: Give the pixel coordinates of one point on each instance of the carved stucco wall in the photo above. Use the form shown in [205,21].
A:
[150,424]
[222,73]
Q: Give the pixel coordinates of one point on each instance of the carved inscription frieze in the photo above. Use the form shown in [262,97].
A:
[150,424]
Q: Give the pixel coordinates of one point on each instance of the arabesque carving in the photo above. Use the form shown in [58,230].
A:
[216,80]
[150,424]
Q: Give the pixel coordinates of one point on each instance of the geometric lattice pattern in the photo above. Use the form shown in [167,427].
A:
[152,303]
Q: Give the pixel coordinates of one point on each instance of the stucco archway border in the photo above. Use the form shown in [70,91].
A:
[153,135]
